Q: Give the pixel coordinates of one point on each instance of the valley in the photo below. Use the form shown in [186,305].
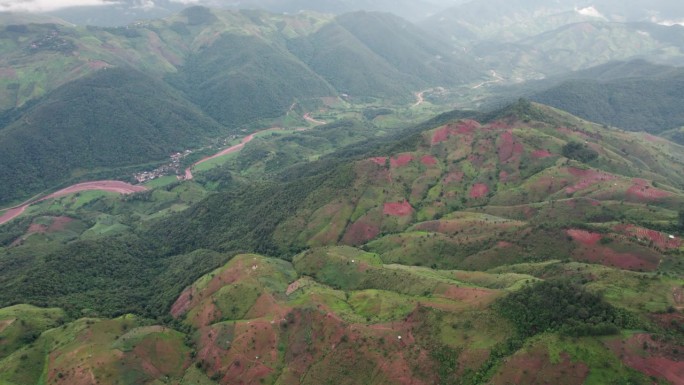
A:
[490,193]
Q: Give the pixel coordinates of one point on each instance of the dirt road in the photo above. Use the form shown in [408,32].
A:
[309,119]
[103,185]
[229,150]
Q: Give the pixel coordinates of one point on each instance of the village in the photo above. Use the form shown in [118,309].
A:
[171,168]
[174,166]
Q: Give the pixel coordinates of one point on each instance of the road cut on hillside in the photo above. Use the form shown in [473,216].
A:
[103,185]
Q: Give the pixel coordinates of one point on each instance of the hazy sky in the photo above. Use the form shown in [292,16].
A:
[51,5]
[45,5]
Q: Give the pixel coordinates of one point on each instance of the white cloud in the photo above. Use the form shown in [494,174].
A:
[670,23]
[590,11]
[47,5]
[185,1]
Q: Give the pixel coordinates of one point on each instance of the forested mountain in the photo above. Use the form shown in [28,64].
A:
[115,117]
[484,241]
[333,212]
[652,102]
[234,68]
[240,79]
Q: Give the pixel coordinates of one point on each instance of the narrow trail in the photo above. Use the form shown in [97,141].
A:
[420,98]
[308,118]
[103,185]
[497,79]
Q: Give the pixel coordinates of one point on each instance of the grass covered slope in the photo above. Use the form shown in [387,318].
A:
[531,183]
[114,118]
[334,310]
[444,255]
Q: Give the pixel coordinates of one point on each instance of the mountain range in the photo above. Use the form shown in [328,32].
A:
[493,195]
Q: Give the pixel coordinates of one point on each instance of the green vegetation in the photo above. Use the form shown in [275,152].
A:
[559,306]
[456,222]
[579,152]
[647,103]
[115,118]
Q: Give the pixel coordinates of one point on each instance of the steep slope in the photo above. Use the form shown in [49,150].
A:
[531,182]
[333,311]
[646,103]
[539,243]
[239,79]
[114,118]
[413,52]
[354,54]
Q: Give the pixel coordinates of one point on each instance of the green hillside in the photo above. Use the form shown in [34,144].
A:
[444,252]
[354,236]
[114,118]
[240,79]
[414,52]
[652,104]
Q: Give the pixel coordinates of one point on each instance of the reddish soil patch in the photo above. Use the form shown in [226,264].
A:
[455,176]
[509,147]
[479,190]
[659,239]
[541,154]
[587,178]
[626,261]
[379,160]
[428,160]
[294,286]
[265,305]
[652,358]
[59,224]
[584,237]
[12,213]
[207,314]
[36,229]
[535,367]
[467,127]
[470,295]
[440,135]
[504,244]
[503,176]
[103,185]
[401,160]
[360,232]
[398,209]
[642,190]
[668,320]
[183,302]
